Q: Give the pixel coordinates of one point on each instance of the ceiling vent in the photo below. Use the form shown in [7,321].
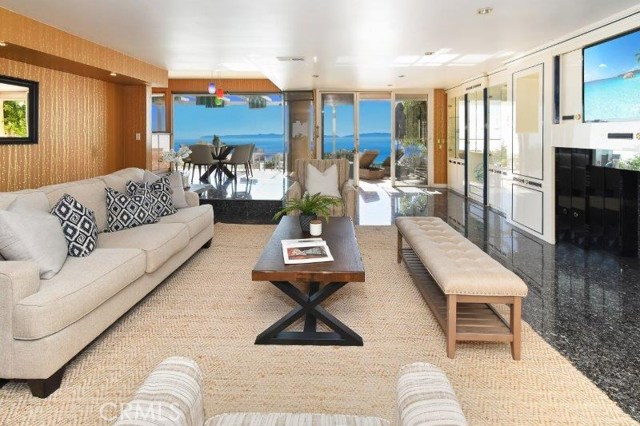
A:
[290,58]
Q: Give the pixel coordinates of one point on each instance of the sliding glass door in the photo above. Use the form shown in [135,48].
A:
[339,134]
[410,145]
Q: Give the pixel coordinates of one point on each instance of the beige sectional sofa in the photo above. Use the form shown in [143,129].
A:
[45,323]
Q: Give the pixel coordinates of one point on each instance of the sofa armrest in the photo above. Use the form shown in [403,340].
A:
[350,199]
[171,395]
[18,279]
[192,198]
[425,397]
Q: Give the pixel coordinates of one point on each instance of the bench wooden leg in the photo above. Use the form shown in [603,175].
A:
[399,247]
[515,323]
[451,324]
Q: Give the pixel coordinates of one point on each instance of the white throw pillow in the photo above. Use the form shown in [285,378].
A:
[31,234]
[177,190]
[326,183]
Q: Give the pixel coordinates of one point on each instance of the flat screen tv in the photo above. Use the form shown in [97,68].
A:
[611,76]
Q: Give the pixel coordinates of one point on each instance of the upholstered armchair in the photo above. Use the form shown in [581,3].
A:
[347,190]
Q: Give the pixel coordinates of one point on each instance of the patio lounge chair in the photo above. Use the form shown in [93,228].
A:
[366,166]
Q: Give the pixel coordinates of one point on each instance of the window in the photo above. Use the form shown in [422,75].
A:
[158,113]
[236,119]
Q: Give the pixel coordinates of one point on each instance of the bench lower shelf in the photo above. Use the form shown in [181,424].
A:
[475,319]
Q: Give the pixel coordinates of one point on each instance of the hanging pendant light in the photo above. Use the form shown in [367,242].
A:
[212,88]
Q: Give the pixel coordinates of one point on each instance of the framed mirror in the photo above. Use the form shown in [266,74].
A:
[18,111]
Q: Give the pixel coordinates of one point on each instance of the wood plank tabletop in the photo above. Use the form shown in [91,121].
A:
[340,236]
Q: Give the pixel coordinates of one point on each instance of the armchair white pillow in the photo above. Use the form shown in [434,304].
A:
[325,183]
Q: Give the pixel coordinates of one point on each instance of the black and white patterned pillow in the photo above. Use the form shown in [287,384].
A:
[78,226]
[128,211]
[159,191]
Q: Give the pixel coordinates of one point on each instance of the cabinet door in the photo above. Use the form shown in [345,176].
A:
[596,205]
[563,194]
[612,208]
[579,162]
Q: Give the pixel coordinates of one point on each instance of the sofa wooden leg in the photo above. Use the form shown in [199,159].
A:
[452,316]
[515,323]
[399,247]
[3,382]
[42,388]
[207,244]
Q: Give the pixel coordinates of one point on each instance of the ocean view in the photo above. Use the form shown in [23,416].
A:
[274,144]
[612,99]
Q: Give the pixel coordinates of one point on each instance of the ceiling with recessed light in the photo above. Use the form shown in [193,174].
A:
[355,44]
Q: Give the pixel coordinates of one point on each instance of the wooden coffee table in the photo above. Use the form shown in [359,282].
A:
[323,279]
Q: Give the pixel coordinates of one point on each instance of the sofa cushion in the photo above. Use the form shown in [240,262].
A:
[128,211]
[196,218]
[175,181]
[32,234]
[158,241]
[89,192]
[293,419]
[78,225]
[159,192]
[83,284]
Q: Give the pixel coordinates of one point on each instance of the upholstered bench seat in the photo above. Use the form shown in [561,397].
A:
[460,282]
[457,265]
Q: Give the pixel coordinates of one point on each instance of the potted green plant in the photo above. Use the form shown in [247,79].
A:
[310,207]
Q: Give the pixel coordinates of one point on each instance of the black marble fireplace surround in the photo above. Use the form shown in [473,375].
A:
[584,303]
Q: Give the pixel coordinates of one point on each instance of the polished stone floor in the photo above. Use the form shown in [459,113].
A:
[584,303]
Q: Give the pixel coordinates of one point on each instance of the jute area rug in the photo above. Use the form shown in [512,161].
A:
[210,310]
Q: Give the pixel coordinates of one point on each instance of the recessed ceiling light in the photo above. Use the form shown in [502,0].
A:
[3,44]
[389,85]
[401,76]
[113,74]
[428,53]
[315,75]
[485,10]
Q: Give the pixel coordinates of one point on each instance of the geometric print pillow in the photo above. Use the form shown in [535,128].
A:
[125,211]
[159,191]
[78,225]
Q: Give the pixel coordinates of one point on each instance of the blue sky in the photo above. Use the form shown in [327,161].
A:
[375,116]
[193,121]
[612,58]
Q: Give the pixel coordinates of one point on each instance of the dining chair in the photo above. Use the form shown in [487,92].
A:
[241,155]
[200,156]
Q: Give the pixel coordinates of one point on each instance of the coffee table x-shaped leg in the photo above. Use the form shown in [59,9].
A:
[312,311]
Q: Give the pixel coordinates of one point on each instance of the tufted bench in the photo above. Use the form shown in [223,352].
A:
[467,282]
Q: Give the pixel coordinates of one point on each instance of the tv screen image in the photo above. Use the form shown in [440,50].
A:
[611,75]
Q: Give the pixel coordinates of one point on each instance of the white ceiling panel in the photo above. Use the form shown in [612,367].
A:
[354,44]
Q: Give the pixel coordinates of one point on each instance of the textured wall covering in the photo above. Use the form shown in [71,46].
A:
[80,130]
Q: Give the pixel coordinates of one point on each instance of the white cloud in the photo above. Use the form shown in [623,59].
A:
[602,65]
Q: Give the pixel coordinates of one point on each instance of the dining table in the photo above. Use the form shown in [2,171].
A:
[219,153]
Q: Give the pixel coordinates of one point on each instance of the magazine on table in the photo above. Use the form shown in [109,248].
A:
[306,250]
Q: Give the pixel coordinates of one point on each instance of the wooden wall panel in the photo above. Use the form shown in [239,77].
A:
[136,110]
[249,85]
[22,31]
[440,137]
[80,124]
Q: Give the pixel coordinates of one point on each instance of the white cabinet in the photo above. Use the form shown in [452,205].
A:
[455,172]
[528,207]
